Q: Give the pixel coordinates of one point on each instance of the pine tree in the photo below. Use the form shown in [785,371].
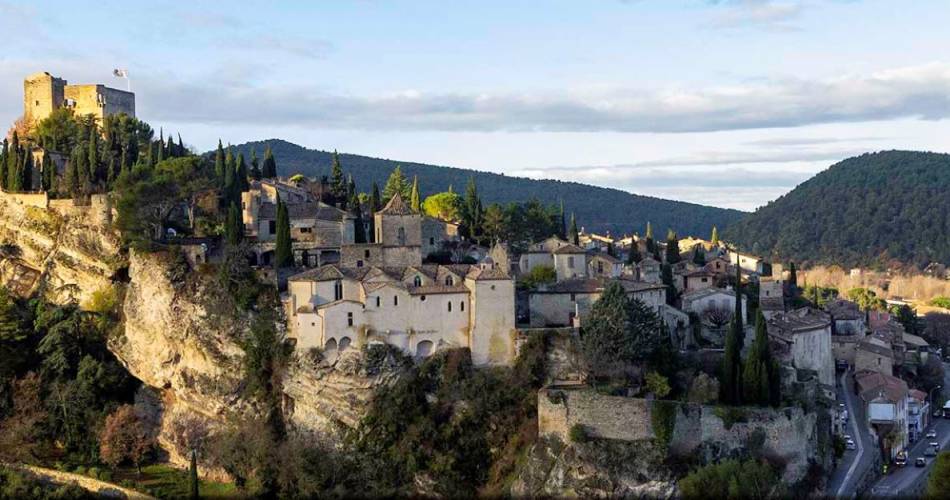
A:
[714,238]
[396,183]
[414,202]
[284,253]
[234,228]
[572,231]
[672,248]
[337,181]
[269,170]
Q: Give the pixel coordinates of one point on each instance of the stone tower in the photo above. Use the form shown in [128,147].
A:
[42,93]
[399,231]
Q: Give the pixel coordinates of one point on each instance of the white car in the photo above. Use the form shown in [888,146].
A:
[932,434]
[844,415]
[850,444]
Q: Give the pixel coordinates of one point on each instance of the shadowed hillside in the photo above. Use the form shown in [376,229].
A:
[597,209]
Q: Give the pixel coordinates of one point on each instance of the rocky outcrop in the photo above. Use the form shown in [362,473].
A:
[331,393]
[601,468]
[58,248]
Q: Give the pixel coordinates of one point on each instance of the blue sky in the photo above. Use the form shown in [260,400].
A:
[728,103]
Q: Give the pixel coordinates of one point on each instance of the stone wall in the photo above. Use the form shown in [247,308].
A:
[789,435]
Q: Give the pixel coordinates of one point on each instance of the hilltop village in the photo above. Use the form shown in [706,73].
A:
[685,341]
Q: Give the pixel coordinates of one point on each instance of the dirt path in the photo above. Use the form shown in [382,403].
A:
[96,486]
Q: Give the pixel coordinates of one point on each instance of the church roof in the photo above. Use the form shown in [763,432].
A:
[397,206]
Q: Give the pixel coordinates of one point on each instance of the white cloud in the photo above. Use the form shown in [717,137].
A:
[757,13]
[921,92]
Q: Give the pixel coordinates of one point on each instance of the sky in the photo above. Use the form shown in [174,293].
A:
[729,103]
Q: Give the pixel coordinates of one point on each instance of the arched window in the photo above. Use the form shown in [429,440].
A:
[449,281]
[424,349]
[401,236]
[462,306]
[337,290]
[331,345]
[417,281]
[344,343]
[450,307]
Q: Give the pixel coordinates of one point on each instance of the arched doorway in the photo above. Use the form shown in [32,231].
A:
[344,343]
[424,349]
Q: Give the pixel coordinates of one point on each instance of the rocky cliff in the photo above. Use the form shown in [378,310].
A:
[57,248]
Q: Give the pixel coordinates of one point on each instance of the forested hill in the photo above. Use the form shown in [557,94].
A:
[866,210]
[597,209]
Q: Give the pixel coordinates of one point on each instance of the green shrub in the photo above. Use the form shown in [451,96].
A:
[105,475]
[578,434]
[663,421]
[80,470]
[93,472]
[731,415]
[733,479]
[941,301]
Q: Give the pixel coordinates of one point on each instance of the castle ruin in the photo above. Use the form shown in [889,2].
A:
[43,93]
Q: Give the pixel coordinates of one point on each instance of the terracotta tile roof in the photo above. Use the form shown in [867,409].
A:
[595,285]
[876,346]
[605,256]
[309,210]
[437,289]
[872,385]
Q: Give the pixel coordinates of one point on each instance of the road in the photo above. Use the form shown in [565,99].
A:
[854,463]
[909,481]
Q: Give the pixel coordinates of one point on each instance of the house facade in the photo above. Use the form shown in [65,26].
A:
[805,335]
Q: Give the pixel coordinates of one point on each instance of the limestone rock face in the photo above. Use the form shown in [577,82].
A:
[632,469]
[56,248]
[174,342]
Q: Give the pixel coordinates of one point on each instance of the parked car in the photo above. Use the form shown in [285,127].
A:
[932,434]
[901,459]
[932,449]
[920,462]
[850,444]
[844,415]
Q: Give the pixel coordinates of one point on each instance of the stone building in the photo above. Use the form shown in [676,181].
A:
[418,308]
[885,398]
[803,341]
[317,230]
[771,297]
[847,316]
[873,354]
[568,260]
[714,307]
[43,93]
[604,265]
[648,270]
[567,302]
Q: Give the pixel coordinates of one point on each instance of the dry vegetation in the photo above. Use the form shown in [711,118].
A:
[913,287]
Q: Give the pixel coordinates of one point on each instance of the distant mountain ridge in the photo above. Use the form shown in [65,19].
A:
[597,209]
[868,210]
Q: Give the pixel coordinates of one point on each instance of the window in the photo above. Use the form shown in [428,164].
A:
[271,227]
[401,236]
[305,230]
[422,298]
[570,262]
[704,280]
[243,206]
[359,263]
[450,307]
[349,319]
[417,281]
[432,241]
[462,306]
[378,300]
[449,281]
[573,297]
[337,290]
[395,300]
[365,254]
[600,267]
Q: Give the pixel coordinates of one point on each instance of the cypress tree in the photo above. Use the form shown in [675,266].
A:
[414,202]
[729,384]
[792,278]
[72,174]
[650,244]
[181,146]
[471,211]
[564,234]
[230,192]
[634,257]
[284,253]
[738,314]
[47,173]
[255,166]
[699,255]
[714,238]
[161,148]
[375,205]
[219,163]
[26,174]
[666,276]
[235,225]
[572,231]
[241,174]
[337,181]
[92,158]
[269,170]
[3,163]
[672,248]
[193,476]
[359,235]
